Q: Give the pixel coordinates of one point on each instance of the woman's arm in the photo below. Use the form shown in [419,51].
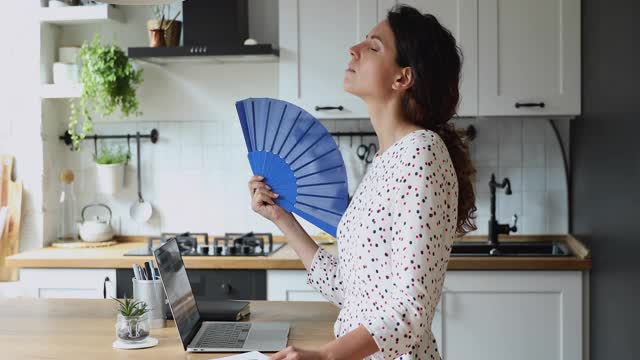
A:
[323,271]
[357,344]
[298,239]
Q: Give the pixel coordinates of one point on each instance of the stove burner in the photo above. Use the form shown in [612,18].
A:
[197,244]
[243,244]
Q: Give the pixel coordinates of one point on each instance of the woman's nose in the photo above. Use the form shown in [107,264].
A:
[354,51]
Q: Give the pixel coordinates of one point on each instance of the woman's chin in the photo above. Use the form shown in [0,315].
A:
[348,87]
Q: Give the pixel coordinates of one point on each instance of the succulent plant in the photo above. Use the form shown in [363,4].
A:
[131,307]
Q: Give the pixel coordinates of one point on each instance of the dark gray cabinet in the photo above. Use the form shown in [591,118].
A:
[212,284]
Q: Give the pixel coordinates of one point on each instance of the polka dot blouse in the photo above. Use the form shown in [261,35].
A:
[394,242]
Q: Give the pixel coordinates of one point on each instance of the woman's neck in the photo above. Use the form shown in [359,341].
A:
[389,124]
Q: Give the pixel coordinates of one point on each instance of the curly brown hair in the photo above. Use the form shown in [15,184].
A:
[426,46]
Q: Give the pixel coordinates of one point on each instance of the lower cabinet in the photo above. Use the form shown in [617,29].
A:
[489,314]
[69,283]
[212,284]
[511,315]
[290,285]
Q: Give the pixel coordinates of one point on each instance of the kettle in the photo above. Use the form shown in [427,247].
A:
[97,229]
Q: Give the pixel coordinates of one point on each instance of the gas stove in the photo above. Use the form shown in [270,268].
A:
[197,244]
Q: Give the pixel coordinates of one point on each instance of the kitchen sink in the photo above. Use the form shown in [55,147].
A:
[554,249]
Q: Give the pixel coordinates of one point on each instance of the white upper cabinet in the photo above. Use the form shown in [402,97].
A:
[520,57]
[529,57]
[461,18]
[315,37]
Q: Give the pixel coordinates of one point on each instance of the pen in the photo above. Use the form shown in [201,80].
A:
[147,268]
[143,275]
[153,270]
[136,272]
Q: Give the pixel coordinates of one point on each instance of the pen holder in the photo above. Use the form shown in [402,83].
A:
[152,293]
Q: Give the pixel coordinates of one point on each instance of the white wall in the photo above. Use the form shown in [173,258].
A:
[20,120]
[196,175]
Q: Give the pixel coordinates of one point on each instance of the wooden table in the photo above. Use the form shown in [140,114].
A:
[84,329]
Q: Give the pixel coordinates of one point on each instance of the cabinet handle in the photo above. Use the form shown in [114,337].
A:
[340,108]
[226,288]
[519,105]
[104,287]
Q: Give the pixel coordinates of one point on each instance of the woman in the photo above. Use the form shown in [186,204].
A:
[395,237]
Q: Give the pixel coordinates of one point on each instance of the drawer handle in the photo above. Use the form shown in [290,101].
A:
[104,287]
[519,105]
[226,288]
[340,108]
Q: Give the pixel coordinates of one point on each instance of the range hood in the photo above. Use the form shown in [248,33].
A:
[213,31]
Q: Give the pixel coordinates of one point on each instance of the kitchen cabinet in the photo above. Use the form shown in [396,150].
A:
[511,315]
[488,314]
[461,18]
[520,57]
[212,284]
[529,57]
[290,285]
[69,283]
[315,37]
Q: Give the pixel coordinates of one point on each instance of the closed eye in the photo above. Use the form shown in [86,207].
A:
[373,49]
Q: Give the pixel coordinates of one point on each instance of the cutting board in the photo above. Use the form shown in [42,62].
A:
[10,196]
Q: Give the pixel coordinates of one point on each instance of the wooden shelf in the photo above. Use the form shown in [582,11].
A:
[59,91]
[86,14]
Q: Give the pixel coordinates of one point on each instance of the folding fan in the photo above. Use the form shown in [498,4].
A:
[297,157]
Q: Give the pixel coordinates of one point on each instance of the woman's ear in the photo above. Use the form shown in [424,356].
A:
[404,80]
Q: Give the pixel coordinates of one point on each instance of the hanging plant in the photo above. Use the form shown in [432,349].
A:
[109,81]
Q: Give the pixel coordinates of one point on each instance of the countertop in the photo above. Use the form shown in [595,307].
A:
[84,329]
[286,259]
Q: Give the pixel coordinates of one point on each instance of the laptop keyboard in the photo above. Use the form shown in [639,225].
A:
[224,335]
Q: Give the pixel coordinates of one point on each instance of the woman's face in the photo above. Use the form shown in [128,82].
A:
[373,69]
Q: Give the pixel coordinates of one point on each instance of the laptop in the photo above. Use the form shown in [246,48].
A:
[198,335]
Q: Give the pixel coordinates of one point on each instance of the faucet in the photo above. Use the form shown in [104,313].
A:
[494,228]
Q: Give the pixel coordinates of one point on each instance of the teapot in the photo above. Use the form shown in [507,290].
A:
[97,229]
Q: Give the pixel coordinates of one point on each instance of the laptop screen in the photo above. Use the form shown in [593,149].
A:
[176,285]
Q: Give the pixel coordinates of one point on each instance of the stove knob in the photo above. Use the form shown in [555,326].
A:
[218,250]
[246,250]
[232,250]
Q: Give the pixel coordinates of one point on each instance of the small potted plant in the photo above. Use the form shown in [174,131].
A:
[109,81]
[110,163]
[164,32]
[133,323]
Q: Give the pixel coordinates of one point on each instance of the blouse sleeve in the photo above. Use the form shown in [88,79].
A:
[324,276]
[419,249]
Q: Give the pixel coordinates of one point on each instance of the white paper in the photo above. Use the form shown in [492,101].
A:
[254,355]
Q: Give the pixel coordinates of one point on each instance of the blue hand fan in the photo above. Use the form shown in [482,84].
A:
[297,157]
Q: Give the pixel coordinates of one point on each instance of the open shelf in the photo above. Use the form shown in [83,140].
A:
[85,14]
[60,91]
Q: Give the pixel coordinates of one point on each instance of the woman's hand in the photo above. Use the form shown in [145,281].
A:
[262,200]
[294,353]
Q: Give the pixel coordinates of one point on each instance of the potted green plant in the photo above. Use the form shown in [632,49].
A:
[110,163]
[132,325]
[109,81]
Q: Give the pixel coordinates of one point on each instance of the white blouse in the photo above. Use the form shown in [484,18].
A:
[394,242]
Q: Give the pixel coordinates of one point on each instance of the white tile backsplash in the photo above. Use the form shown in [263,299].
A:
[196,175]
[533,179]
[526,151]
[533,154]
